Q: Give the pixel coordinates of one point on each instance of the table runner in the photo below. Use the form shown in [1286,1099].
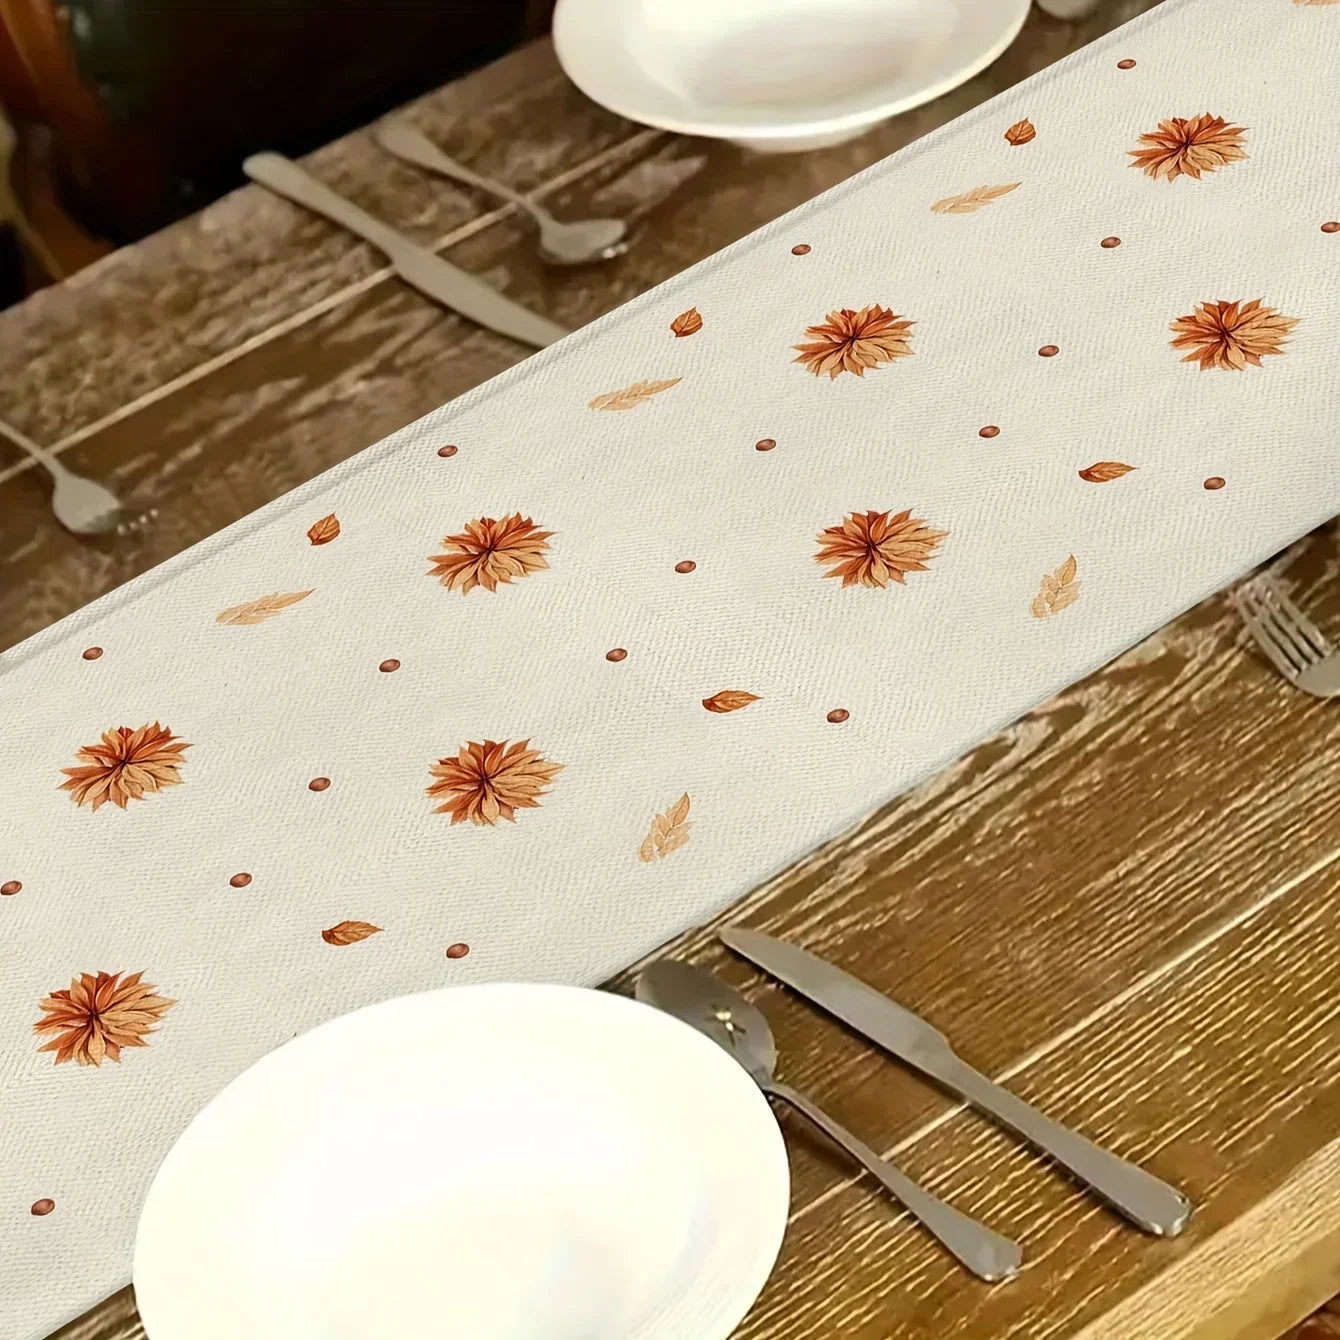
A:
[577,660]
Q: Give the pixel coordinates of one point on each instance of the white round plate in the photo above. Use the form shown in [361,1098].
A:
[494,1162]
[776,74]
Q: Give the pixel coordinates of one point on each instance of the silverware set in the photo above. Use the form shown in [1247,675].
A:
[722,1014]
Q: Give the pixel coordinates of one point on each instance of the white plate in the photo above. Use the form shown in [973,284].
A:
[482,1163]
[776,74]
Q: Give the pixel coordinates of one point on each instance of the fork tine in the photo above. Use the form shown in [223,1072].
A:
[1310,631]
[1263,636]
[1286,632]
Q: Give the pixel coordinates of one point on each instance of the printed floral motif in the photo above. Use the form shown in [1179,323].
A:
[632,396]
[669,832]
[1059,589]
[851,341]
[258,611]
[349,932]
[98,1015]
[1103,472]
[491,553]
[1189,146]
[1229,335]
[490,781]
[729,700]
[971,201]
[687,323]
[1021,132]
[874,548]
[125,765]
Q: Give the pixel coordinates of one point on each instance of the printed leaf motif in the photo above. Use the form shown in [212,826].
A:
[349,932]
[1102,471]
[325,530]
[1021,132]
[98,1015]
[971,201]
[669,831]
[632,396]
[257,611]
[1058,590]
[729,700]
[687,323]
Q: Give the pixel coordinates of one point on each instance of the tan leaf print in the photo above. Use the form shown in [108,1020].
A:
[1188,147]
[258,611]
[1058,590]
[1230,335]
[98,1015]
[490,781]
[874,548]
[1100,472]
[1021,132]
[971,201]
[729,700]
[349,932]
[669,831]
[125,765]
[852,341]
[632,396]
[491,553]
[325,530]
[687,323]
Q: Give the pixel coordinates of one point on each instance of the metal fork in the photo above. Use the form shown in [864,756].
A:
[1292,643]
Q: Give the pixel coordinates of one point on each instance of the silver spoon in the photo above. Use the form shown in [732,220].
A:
[575,243]
[728,1019]
[80,505]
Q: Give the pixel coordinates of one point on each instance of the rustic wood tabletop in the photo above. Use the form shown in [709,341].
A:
[1127,904]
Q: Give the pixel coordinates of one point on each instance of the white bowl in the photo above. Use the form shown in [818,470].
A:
[486,1162]
[776,75]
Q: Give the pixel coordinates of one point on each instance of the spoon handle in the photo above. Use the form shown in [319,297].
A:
[986,1253]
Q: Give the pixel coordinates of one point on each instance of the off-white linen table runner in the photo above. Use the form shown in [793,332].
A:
[578,659]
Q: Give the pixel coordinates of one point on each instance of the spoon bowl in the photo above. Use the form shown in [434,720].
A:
[581,241]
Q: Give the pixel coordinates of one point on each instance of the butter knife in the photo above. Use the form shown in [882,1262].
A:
[424,270]
[1142,1198]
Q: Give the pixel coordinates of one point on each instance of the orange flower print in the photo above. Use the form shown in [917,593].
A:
[1229,335]
[1189,147]
[874,548]
[490,781]
[491,553]
[99,1014]
[125,765]
[851,341]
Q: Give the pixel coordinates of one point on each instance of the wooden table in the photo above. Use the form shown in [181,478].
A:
[1128,904]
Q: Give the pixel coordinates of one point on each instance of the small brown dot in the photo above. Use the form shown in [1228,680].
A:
[1109,242]
[318,783]
[687,565]
[92,653]
[240,880]
[447,451]
[801,249]
[1215,482]
[765,444]
[1331,226]
[43,1206]
[616,654]
[838,715]
[457,950]
[989,431]
[389,665]
[1127,64]
[1048,351]
[10,887]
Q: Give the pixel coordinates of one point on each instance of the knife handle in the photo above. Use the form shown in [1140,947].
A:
[985,1252]
[286,178]
[1147,1202]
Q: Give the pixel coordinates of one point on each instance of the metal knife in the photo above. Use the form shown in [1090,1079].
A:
[1147,1202]
[424,270]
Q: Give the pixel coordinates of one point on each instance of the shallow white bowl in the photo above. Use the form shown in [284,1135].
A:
[776,75]
[493,1162]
